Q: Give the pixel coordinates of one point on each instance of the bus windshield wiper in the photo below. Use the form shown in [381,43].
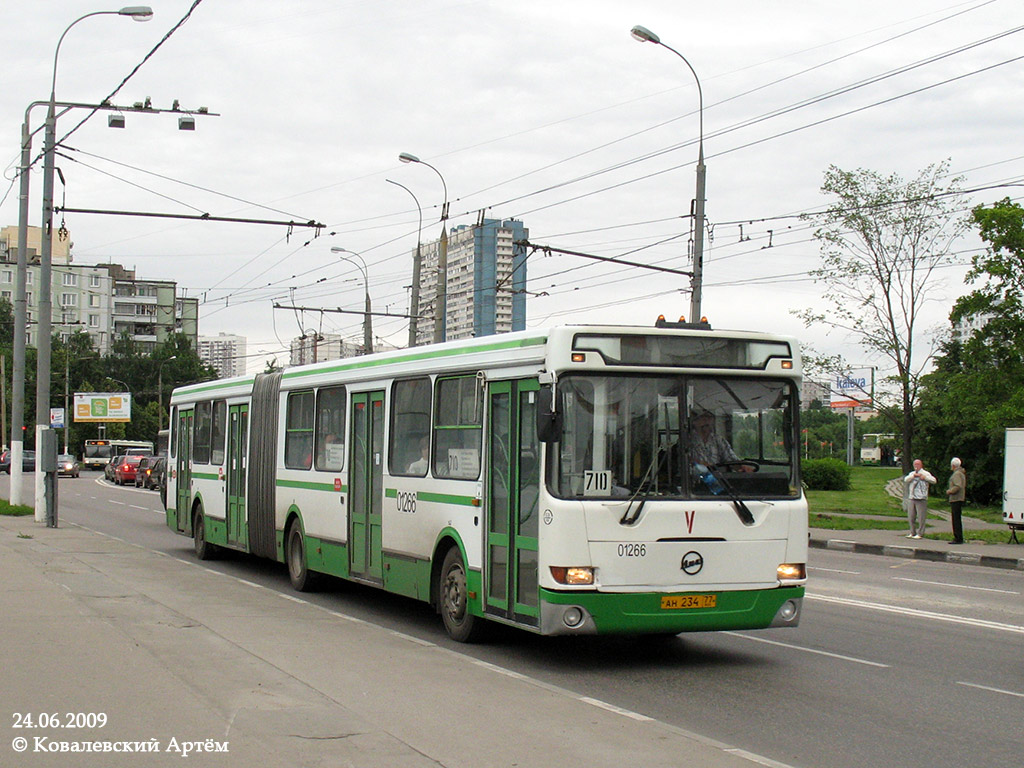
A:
[742,511]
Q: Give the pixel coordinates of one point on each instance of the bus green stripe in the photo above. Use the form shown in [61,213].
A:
[439,498]
[205,476]
[215,385]
[427,354]
[310,486]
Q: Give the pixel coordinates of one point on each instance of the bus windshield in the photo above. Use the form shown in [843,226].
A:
[94,451]
[676,436]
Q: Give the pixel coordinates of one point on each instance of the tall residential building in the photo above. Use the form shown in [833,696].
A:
[104,300]
[486,281]
[317,347]
[225,352]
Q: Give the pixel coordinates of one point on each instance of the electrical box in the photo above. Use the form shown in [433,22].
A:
[46,454]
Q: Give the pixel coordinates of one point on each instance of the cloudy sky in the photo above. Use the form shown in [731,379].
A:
[544,111]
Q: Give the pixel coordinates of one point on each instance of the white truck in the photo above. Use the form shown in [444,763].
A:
[1013,481]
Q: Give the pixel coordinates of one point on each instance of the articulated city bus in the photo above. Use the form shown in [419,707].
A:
[98,453]
[579,480]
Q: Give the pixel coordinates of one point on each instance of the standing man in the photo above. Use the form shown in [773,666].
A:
[917,498]
[957,493]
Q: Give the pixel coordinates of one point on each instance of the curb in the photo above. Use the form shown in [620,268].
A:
[893,550]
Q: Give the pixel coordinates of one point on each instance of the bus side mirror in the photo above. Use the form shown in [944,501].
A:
[549,416]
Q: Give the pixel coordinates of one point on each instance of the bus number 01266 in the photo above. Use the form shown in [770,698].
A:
[632,550]
[407,502]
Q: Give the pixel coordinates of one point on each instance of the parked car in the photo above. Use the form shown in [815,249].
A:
[150,472]
[108,470]
[126,469]
[68,465]
[28,461]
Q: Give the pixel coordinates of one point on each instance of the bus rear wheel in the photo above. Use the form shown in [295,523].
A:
[453,600]
[302,579]
[204,549]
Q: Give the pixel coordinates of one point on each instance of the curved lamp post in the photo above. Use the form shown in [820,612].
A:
[44,501]
[414,296]
[645,35]
[441,302]
[367,313]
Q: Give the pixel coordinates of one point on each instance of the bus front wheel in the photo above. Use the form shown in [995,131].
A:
[453,600]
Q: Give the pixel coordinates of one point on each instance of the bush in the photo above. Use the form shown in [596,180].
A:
[826,474]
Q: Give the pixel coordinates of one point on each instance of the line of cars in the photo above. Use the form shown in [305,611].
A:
[140,471]
[66,463]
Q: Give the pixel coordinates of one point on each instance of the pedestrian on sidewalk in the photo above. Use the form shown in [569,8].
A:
[917,498]
[957,493]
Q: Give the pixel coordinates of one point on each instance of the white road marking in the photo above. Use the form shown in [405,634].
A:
[979,623]
[958,586]
[617,710]
[994,690]
[854,659]
[833,570]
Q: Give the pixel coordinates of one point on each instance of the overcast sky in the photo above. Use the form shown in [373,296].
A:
[541,111]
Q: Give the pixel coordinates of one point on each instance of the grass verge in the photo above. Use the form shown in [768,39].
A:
[19,510]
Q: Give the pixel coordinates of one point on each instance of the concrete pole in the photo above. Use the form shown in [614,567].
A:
[20,319]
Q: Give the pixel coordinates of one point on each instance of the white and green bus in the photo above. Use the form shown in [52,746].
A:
[560,481]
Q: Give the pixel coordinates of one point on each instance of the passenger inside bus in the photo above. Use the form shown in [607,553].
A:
[419,466]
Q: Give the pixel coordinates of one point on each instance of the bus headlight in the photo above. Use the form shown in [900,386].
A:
[573,576]
[792,572]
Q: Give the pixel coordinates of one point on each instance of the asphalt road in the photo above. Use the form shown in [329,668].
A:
[895,663]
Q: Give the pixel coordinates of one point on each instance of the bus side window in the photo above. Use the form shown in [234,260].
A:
[457,428]
[298,436]
[410,424]
[330,429]
[219,431]
[201,441]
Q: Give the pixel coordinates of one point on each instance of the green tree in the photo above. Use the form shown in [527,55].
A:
[977,388]
[881,241]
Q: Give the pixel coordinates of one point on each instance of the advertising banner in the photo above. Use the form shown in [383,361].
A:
[103,407]
[851,389]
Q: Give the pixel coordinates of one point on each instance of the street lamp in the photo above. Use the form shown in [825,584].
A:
[44,501]
[645,35]
[414,297]
[160,392]
[367,315]
[441,302]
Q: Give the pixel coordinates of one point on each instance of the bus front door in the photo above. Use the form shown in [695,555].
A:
[238,440]
[183,472]
[365,486]
[513,482]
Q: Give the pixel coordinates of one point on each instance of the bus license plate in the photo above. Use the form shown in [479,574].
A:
[682,602]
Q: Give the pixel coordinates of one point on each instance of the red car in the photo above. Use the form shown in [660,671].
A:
[126,469]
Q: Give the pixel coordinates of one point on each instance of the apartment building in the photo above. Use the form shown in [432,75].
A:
[225,352]
[485,278]
[104,300]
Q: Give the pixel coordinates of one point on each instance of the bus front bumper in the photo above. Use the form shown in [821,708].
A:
[594,613]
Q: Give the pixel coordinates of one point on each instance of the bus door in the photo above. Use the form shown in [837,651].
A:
[183,471]
[366,486]
[513,483]
[238,440]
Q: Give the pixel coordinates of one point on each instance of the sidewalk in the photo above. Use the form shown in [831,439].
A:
[173,654]
[895,544]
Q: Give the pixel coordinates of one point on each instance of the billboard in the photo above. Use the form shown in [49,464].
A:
[851,389]
[103,407]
